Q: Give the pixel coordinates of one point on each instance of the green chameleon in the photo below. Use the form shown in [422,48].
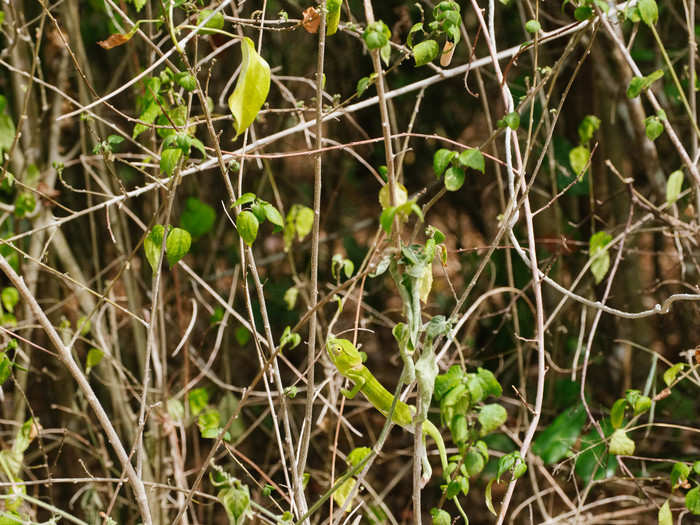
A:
[348,360]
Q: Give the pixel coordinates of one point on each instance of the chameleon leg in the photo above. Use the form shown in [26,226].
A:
[359,383]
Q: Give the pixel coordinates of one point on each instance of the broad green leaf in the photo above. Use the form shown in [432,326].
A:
[176,116]
[665,516]
[587,127]
[5,367]
[290,297]
[10,298]
[425,52]
[384,195]
[198,400]
[472,158]
[7,132]
[236,502]
[491,417]
[386,219]
[304,222]
[440,517]
[252,87]
[244,199]
[594,457]
[454,178]
[555,441]
[489,383]
[176,410]
[215,22]
[578,158]
[642,404]
[357,455]
[385,53]
[152,245]
[242,335]
[149,116]
[341,494]
[696,467]
[474,461]
[653,127]
[208,423]
[617,413]
[197,217]
[679,474]
[25,203]
[376,35]
[177,245]
[671,373]
[692,500]
[272,215]
[583,12]
[94,357]
[442,159]
[168,160]
[332,16]
[362,86]
[418,26]
[674,186]
[648,11]
[247,226]
[598,254]
[620,444]
[532,26]
[186,80]
[639,84]
[512,120]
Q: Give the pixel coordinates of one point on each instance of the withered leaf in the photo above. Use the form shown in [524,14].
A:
[114,40]
[312,19]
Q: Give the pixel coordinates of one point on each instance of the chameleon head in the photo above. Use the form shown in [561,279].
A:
[343,353]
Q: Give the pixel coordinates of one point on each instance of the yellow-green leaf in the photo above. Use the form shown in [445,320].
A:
[620,444]
[177,245]
[247,226]
[252,87]
[333,15]
[665,516]
[674,186]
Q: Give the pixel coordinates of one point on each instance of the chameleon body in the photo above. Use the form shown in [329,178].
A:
[348,360]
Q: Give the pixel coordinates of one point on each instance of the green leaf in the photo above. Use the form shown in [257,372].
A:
[376,35]
[247,226]
[252,87]
[692,501]
[532,26]
[454,178]
[215,22]
[555,441]
[168,160]
[679,474]
[25,203]
[290,297]
[489,383]
[620,444]
[5,368]
[176,410]
[639,84]
[357,455]
[289,338]
[587,127]
[242,335]
[236,502]
[617,413]
[674,185]
[653,127]
[642,404]
[208,423]
[149,115]
[442,159]
[491,417]
[665,516]
[94,356]
[7,132]
[244,199]
[594,457]
[401,195]
[648,11]
[418,26]
[440,517]
[472,158]
[598,254]
[578,158]
[138,4]
[197,217]
[385,53]
[304,222]
[198,400]
[488,499]
[474,461]
[186,80]
[386,219]
[362,86]
[671,373]
[152,245]
[583,13]
[10,298]
[425,52]
[177,245]
[272,215]
[512,120]
[341,494]
[696,467]
[332,16]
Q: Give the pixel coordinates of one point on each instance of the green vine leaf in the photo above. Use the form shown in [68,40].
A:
[177,245]
[598,254]
[247,225]
[152,245]
[674,185]
[252,87]
[425,52]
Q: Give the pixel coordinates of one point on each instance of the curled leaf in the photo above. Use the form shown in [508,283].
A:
[252,87]
[311,21]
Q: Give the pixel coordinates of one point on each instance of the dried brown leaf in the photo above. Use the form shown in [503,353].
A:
[115,40]
[312,19]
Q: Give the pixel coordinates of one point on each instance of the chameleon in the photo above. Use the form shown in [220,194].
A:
[348,360]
